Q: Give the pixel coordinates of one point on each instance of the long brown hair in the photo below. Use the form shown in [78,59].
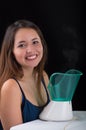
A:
[8,65]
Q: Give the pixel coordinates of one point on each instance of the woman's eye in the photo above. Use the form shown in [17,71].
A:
[21,45]
[35,42]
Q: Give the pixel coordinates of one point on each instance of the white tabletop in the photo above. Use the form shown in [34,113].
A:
[77,123]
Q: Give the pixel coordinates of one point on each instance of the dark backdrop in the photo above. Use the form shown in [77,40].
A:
[63,26]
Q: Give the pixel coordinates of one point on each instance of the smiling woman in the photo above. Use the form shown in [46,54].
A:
[28,48]
[23,79]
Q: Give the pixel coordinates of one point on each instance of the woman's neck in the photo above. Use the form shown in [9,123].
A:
[28,74]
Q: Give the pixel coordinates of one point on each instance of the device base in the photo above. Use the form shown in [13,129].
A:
[57,111]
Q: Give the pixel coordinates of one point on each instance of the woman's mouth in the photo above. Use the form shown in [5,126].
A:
[31,57]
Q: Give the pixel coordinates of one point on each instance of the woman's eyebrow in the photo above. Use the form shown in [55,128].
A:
[35,39]
[19,42]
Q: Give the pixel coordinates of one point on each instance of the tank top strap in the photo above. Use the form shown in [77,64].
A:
[19,85]
[23,96]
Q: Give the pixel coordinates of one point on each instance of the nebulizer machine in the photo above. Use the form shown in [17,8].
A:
[61,88]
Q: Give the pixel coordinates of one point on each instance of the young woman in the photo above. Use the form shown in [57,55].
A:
[23,81]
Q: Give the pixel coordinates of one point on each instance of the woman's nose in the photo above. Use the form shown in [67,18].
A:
[30,48]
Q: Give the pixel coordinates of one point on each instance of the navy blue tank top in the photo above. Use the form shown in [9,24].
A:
[30,111]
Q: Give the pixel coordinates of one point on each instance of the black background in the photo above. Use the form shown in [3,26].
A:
[63,26]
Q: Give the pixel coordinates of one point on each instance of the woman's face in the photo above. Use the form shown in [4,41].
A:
[28,49]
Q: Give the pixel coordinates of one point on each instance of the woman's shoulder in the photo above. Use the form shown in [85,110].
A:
[9,85]
[45,74]
[10,88]
[46,77]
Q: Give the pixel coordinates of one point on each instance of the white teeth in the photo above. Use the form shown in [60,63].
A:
[31,57]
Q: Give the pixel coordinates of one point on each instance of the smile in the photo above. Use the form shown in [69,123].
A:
[32,57]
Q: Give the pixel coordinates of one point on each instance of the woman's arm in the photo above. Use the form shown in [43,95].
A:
[11,99]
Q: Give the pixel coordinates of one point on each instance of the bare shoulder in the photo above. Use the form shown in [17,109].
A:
[10,104]
[10,88]
[46,78]
[9,85]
